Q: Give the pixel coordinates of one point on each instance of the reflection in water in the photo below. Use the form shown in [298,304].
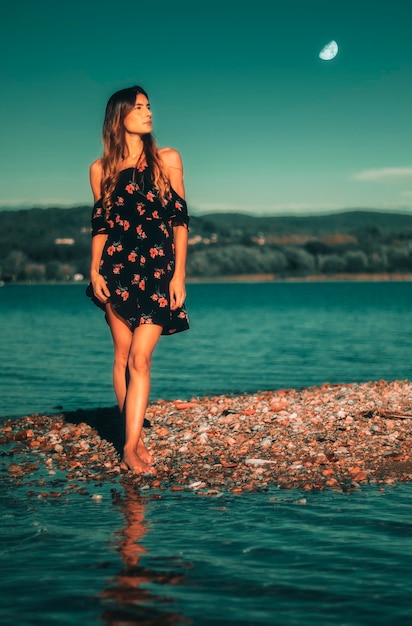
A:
[127,603]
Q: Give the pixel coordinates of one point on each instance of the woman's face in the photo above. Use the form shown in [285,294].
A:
[139,120]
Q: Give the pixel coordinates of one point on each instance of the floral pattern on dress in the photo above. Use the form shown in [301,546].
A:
[138,257]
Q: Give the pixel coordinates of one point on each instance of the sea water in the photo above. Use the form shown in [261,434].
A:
[276,557]
[115,555]
[56,349]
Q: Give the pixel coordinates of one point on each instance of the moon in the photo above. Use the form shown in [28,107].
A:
[329,51]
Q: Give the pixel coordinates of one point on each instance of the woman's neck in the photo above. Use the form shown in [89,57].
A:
[134,145]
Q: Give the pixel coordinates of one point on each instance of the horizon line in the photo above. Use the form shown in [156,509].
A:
[402,210]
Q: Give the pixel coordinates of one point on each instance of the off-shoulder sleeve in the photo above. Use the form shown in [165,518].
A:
[99,224]
[179,215]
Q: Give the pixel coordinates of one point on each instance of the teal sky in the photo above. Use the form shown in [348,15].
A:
[263,125]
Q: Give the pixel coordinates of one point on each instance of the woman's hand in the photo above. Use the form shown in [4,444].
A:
[100,289]
[177,293]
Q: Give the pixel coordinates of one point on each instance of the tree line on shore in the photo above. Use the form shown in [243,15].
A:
[53,244]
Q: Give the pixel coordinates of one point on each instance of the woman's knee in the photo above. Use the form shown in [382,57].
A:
[139,363]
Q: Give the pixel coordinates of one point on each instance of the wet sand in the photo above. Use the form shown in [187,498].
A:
[329,437]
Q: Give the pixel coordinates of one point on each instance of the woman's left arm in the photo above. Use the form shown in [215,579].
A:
[177,284]
[174,169]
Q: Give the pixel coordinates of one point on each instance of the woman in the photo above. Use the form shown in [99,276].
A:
[139,244]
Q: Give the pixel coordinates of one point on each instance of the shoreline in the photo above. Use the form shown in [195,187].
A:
[258,278]
[250,278]
[337,437]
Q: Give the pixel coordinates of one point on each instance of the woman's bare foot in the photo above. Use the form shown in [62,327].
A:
[144,453]
[131,461]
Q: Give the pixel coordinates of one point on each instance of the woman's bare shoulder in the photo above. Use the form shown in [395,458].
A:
[173,169]
[96,172]
[96,167]
[171,158]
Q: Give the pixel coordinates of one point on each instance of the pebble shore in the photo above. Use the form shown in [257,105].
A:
[336,437]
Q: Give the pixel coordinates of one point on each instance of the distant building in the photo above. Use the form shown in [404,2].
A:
[64,241]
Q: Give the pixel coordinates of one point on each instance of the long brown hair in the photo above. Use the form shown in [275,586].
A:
[118,106]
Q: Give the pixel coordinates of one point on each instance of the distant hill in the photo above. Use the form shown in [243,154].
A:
[315,225]
[54,243]
[67,221]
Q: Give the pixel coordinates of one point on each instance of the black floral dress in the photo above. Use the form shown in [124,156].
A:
[138,257]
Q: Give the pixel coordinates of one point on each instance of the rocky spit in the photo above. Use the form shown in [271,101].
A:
[337,437]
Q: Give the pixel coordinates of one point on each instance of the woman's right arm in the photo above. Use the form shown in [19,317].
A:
[98,241]
[100,289]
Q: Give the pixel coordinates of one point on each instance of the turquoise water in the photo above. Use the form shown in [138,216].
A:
[56,348]
[269,558]
[275,557]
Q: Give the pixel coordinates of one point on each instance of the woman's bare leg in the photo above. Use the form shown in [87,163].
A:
[122,341]
[144,341]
